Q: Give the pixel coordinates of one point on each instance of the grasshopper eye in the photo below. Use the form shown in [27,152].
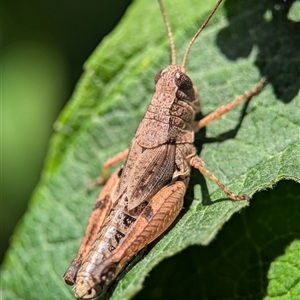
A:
[185,91]
[183,82]
[158,76]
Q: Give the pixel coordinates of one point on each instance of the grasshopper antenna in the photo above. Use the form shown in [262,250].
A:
[172,45]
[197,34]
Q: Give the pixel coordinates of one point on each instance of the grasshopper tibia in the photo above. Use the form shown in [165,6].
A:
[222,110]
[110,163]
[197,163]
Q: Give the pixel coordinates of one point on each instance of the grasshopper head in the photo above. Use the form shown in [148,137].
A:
[173,81]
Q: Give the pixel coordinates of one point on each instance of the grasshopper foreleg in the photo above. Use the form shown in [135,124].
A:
[222,110]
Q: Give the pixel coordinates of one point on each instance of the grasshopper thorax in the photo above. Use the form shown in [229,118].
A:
[171,112]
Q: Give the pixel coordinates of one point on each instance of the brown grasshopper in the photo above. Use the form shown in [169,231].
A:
[143,198]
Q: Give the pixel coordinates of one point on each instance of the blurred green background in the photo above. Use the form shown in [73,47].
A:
[44,45]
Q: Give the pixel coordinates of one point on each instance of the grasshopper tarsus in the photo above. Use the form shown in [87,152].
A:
[244,197]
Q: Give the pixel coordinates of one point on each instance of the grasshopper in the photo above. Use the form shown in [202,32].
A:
[143,198]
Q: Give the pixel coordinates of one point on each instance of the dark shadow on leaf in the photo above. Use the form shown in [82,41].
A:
[277,39]
[230,134]
[196,177]
[236,264]
[200,139]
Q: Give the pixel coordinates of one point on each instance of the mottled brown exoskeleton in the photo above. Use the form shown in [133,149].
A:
[142,199]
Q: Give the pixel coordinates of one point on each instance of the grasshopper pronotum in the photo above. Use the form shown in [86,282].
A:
[142,199]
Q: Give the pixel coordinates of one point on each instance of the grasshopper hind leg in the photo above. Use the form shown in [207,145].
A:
[97,219]
[156,217]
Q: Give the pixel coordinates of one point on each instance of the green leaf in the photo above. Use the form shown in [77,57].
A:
[284,274]
[236,265]
[250,149]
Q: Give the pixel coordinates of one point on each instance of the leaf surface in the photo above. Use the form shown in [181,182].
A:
[250,149]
